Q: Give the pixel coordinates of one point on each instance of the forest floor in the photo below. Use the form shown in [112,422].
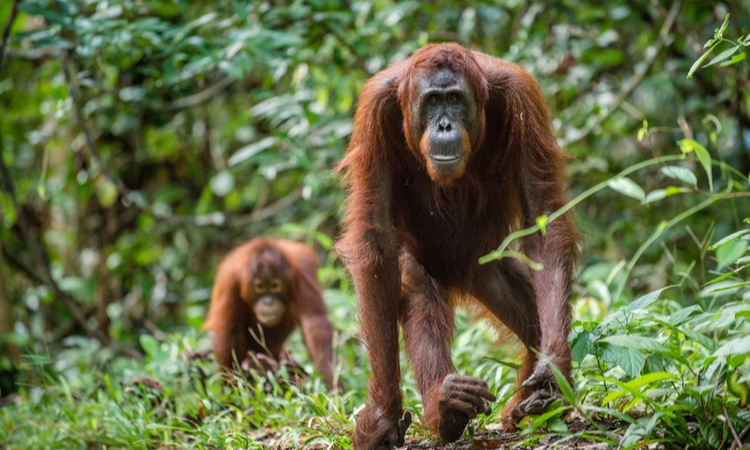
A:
[493,438]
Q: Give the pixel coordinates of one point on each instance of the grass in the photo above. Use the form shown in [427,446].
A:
[664,382]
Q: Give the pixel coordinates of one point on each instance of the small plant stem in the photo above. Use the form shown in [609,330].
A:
[656,235]
[737,442]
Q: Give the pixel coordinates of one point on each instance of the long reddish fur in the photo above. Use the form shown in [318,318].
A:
[231,319]
[515,173]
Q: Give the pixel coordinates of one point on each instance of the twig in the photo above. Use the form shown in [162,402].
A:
[744,432]
[737,442]
[628,87]
[6,31]
[200,97]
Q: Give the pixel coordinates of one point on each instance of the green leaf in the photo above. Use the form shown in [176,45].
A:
[700,60]
[735,59]
[539,421]
[150,344]
[110,388]
[642,133]
[630,360]
[723,55]
[636,342]
[581,346]
[732,286]
[739,262]
[645,301]
[251,150]
[626,186]
[739,346]
[691,145]
[660,194]
[718,34]
[679,316]
[728,254]
[557,425]
[655,362]
[680,173]
[563,384]
[729,238]
[650,378]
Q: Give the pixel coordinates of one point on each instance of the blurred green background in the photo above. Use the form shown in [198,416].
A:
[144,139]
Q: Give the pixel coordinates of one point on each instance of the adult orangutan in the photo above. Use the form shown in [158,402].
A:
[263,290]
[451,150]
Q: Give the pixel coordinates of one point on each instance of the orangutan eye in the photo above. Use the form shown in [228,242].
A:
[434,99]
[275,286]
[258,286]
[454,98]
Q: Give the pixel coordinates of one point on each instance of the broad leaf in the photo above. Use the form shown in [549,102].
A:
[630,360]
[628,187]
[636,342]
[680,173]
[739,346]
[680,316]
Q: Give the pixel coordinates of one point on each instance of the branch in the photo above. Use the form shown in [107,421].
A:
[628,87]
[6,31]
[200,97]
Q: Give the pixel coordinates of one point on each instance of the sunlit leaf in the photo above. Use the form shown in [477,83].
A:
[636,342]
[729,253]
[733,347]
[691,145]
[681,315]
[700,60]
[719,33]
[660,194]
[680,173]
[541,222]
[723,55]
[251,150]
[730,238]
[581,346]
[647,300]
[627,187]
[735,59]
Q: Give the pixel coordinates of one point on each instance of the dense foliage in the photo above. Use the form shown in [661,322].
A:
[143,140]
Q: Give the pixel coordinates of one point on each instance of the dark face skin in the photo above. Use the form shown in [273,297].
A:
[269,292]
[444,123]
